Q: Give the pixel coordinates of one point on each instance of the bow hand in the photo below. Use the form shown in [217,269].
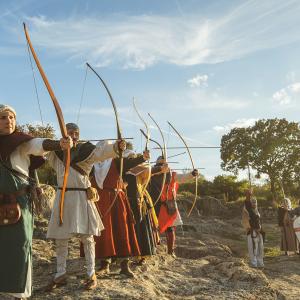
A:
[66,143]
[120,145]
[146,155]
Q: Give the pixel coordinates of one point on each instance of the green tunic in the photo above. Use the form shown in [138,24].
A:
[16,239]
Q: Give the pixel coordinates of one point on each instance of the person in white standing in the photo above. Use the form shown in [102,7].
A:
[80,216]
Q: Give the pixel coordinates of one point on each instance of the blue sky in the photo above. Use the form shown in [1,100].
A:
[205,66]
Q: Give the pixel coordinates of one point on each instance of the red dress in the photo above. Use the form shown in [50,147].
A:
[165,219]
[118,239]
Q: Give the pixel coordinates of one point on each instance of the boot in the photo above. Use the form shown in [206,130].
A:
[104,267]
[125,269]
[170,235]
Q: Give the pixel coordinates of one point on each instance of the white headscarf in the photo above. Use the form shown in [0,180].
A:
[4,108]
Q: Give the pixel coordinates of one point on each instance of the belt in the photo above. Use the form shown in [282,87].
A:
[74,189]
[12,196]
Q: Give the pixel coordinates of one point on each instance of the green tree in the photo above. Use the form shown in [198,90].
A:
[230,186]
[269,147]
[38,130]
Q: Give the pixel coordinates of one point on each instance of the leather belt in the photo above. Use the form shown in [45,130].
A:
[74,189]
[12,197]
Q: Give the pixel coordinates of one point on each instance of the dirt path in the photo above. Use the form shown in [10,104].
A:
[211,263]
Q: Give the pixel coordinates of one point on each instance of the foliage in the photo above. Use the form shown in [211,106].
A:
[38,130]
[269,147]
[222,186]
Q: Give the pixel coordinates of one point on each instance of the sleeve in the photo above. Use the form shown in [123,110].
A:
[34,147]
[132,162]
[155,170]
[103,151]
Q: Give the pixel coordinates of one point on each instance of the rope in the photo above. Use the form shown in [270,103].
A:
[82,94]
[35,86]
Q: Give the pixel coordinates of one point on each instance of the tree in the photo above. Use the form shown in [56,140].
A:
[38,130]
[230,187]
[270,147]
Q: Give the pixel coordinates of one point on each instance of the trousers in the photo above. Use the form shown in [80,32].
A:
[62,254]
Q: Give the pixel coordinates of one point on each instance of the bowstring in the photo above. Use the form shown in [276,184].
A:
[168,137]
[35,86]
[82,94]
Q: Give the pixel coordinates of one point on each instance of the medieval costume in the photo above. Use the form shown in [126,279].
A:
[146,226]
[166,207]
[118,240]
[19,154]
[80,217]
[288,237]
[251,222]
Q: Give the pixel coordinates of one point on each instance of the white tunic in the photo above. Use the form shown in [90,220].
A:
[80,215]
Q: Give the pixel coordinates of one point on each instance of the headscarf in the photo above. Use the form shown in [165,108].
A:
[4,108]
[287,203]
[72,126]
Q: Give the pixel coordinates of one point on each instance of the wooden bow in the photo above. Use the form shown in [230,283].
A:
[119,136]
[147,135]
[153,141]
[61,122]
[193,166]
[164,154]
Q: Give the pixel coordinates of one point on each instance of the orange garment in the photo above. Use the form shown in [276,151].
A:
[118,239]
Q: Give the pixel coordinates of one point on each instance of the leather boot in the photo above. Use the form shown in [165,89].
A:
[104,267]
[125,269]
[170,235]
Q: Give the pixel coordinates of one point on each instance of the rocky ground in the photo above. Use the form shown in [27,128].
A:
[211,263]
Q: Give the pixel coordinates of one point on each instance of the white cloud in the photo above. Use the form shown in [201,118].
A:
[286,95]
[282,97]
[142,41]
[198,80]
[295,87]
[240,123]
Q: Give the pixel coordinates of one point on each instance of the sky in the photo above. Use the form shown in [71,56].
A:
[204,66]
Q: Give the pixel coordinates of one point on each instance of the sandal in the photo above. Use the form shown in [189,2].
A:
[91,283]
[56,283]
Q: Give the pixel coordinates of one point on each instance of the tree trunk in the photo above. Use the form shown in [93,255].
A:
[273,191]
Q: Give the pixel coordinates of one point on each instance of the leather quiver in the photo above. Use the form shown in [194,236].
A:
[92,194]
